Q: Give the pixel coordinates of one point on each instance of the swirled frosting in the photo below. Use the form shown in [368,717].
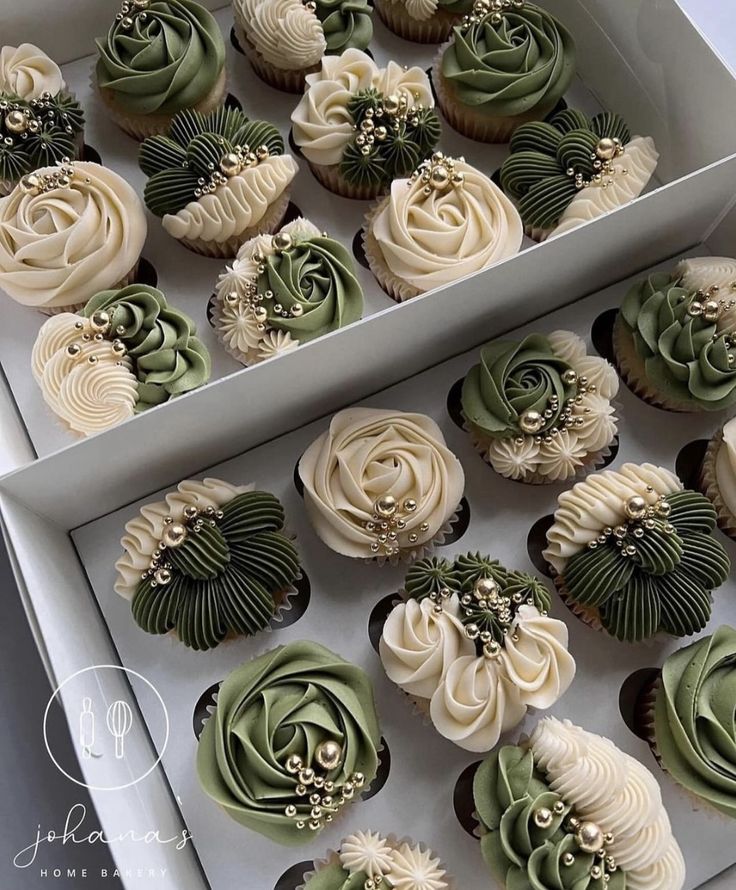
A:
[308,287]
[521,62]
[540,406]
[347,24]
[224,574]
[705,272]
[169,57]
[685,339]
[694,719]
[59,247]
[431,239]
[544,807]
[286,33]
[373,460]
[27,72]
[423,10]
[652,565]
[283,719]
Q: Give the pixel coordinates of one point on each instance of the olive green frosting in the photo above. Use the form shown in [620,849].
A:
[409,138]
[547,156]
[664,583]
[694,719]
[507,791]
[318,275]
[53,127]
[286,703]
[514,377]
[168,358]
[223,577]
[685,355]
[169,58]
[181,163]
[521,64]
[335,877]
[346,24]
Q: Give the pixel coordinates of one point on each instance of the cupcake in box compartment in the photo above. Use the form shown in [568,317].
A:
[424,21]
[217,180]
[718,476]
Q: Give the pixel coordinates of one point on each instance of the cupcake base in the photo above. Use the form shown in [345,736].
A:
[433,30]
[587,615]
[395,287]
[331,178]
[288,80]
[710,488]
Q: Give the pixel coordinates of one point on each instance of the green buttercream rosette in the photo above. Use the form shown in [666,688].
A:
[168,358]
[263,748]
[346,24]
[694,729]
[160,57]
[685,350]
[334,877]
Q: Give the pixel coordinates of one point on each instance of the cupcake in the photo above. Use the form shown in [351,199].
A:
[372,860]
[568,809]
[360,126]
[424,21]
[158,58]
[124,352]
[447,221]
[473,647]
[633,554]
[292,740]
[283,290]
[572,169]
[539,410]
[68,232]
[673,338]
[40,121]
[286,39]
[718,476]
[691,726]
[381,484]
[217,180]
[507,63]
[210,562]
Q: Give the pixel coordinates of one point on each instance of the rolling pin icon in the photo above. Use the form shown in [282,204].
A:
[119,724]
[86,728]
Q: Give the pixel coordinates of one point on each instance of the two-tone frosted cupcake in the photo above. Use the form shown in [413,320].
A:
[633,553]
[209,562]
[285,40]
[507,63]
[283,290]
[360,126]
[217,180]
[447,221]
[567,809]
[539,410]
[68,232]
[674,337]
[718,476]
[424,21]
[158,58]
[473,647]
[381,484]
[572,169]
[293,739]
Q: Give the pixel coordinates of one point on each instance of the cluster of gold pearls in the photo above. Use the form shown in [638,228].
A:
[706,304]
[534,423]
[489,9]
[99,330]
[38,183]
[173,536]
[389,521]
[589,837]
[389,113]
[129,10]
[607,152]
[487,596]
[231,164]
[640,517]
[24,118]
[438,174]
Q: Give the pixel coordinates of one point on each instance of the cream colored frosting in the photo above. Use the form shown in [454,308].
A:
[236,206]
[428,240]
[368,453]
[411,83]
[419,644]
[703,273]
[61,247]
[285,32]
[475,703]
[512,458]
[598,502]
[639,161]
[608,787]
[275,343]
[413,868]
[421,10]
[27,72]
[367,852]
[143,533]
[725,466]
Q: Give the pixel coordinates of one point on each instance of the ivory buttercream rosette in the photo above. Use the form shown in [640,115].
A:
[568,809]
[447,221]
[381,484]
[540,410]
[473,647]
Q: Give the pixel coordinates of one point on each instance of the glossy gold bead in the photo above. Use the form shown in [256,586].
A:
[531,421]
[17,121]
[385,505]
[543,817]
[230,164]
[174,535]
[328,754]
[73,350]
[162,576]
[606,149]
[636,507]
[484,588]
[282,241]
[439,178]
[100,321]
[589,837]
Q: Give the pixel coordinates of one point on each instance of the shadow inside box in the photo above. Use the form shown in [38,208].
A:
[463,802]
[536,542]
[378,616]
[689,463]
[293,877]
[601,334]
[632,699]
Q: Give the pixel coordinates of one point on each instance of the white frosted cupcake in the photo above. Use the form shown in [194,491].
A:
[718,476]
[447,221]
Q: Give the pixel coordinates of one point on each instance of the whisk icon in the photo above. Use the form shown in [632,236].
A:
[119,723]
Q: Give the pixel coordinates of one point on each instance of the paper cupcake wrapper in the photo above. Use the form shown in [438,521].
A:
[709,486]
[537,233]
[141,126]
[289,80]
[395,287]
[435,29]
[330,177]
